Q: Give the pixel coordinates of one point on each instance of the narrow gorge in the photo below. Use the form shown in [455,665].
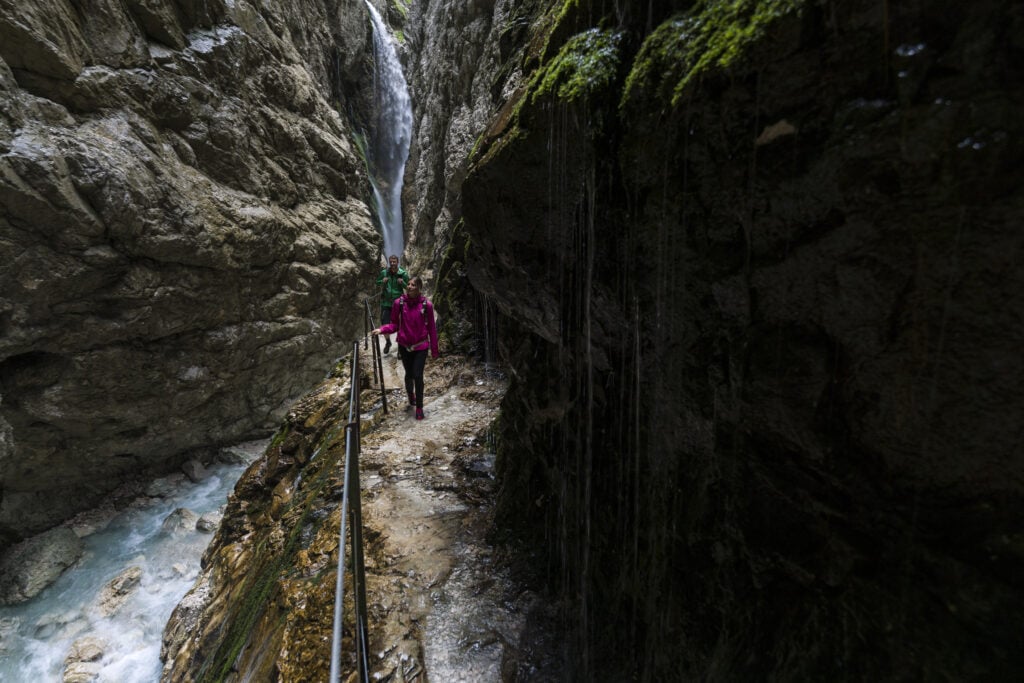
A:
[748,271]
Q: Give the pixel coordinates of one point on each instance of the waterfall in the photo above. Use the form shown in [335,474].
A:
[390,149]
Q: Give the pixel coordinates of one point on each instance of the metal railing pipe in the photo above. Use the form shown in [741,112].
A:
[376,347]
[350,499]
[370,325]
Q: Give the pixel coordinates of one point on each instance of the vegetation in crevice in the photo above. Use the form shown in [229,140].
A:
[343,368]
[585,65]
[545,28]
[566,60]
[280,436]
[713,35]
[272,562]
[402,7]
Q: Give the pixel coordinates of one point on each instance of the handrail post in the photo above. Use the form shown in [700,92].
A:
[380,368]
[339,583]
[376,346]
[378,365]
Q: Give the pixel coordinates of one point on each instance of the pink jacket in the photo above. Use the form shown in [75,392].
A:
[414,320]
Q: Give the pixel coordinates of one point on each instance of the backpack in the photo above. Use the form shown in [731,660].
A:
[405,304]
[423,312]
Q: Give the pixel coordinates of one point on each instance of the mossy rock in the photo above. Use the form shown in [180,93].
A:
[586,65]
[713,35]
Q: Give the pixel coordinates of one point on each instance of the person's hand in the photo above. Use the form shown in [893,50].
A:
[375,332]
[435,356]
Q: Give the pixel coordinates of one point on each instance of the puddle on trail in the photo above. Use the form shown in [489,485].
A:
[471,623]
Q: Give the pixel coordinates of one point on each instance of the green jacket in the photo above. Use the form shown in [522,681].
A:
[393,285]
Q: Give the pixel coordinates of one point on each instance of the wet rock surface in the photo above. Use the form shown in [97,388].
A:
[80,666]
[32,565]
[118,590]
[443,601]
[461,72]
[761,303]
[182,231]
[441,597]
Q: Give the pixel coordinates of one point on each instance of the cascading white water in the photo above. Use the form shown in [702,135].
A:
[37,635]
[394,131]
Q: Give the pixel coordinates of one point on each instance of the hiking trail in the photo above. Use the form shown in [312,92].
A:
[440,606]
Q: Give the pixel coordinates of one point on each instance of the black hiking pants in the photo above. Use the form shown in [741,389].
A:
[414,362]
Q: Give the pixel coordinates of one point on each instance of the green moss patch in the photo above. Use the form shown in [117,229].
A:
[586,65]
[270,563]
[711,36]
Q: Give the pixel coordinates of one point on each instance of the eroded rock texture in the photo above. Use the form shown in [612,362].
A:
[182,231]
[758,271]
[755,273]
[457,55]
[263,605]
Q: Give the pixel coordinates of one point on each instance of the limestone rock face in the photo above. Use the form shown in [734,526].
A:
[457,53]
[82,662]
[258,583]
[32,565]
[183,233]
[758,282]
[118,590]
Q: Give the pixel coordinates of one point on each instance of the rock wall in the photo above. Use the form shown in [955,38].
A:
[263,606]
[757,271]
[461,70]
[183,232]
[753,270]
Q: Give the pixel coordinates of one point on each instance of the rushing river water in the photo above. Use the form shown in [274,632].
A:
[36,636]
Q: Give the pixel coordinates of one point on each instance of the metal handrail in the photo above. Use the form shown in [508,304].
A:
[369,327]
[350,500]
[378,360]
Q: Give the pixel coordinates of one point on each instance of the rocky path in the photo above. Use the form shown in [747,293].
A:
[441,607]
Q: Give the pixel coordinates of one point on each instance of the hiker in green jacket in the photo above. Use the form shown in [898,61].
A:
[393,280]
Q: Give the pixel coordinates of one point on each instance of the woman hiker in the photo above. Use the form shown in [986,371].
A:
[412,316]
[392,280]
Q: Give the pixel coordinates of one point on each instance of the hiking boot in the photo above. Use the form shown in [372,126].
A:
[387,346]
[419,413]
[412,399]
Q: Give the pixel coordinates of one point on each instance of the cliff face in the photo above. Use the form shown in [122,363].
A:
[754,271]
[462,66]
[263,604]
[757,266]
[183,234]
